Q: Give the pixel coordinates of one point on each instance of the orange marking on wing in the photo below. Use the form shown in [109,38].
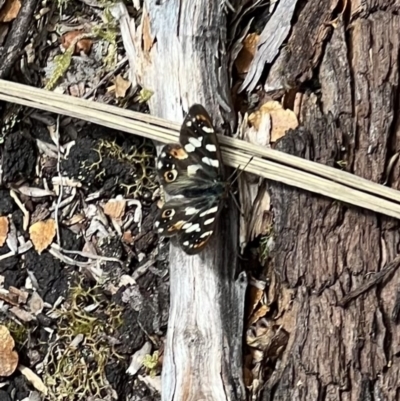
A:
[179,153]
[200,244]
[201,117]
[177,226]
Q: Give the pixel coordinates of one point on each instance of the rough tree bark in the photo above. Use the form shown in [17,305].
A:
[182,59]
[324,249]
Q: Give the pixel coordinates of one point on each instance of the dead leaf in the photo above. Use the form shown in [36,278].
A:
[22,295]
[4,226]
[128,237]
[83,45]
[11,299]
[8,357]
[115,208]
[36,303]
[22,314]
[121,86]
[255,296]
[281,120]
[258,314]
[42,234]
[246,55]
[33,378]
[10,10]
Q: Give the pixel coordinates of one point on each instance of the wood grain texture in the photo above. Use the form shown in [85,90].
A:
[184,62]
[324,249]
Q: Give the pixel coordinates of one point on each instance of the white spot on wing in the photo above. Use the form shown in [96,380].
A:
[211,147]
[209,211]
[160,165]
[191,210]
[157,224]
[194,227]
[206,234]
[187,225]
[189,148]
[160,230]
[209,221]
[189,124]
[186,243]
[210,162]
[196,142]
[208,130]
[191,170]
[163,154]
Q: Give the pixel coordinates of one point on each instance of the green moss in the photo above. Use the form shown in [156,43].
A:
[152,363]
[141,157]
[18,332]
[77,371]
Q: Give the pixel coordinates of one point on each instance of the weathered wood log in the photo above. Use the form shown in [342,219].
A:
[183,62]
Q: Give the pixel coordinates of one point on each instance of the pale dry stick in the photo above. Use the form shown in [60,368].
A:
[61,187]
[91,112]
[235,158]
[165,131]
[313,183]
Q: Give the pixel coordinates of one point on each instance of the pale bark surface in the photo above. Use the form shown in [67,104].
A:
[324,249]
[183,61]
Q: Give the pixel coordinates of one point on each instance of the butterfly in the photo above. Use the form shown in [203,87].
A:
[191,172]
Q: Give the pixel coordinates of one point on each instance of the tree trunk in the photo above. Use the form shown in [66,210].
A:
[182,60]
[349,62]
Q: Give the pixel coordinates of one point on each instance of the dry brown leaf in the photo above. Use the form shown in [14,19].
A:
[83,45]
[258,314]
[22,314]
[281,119]
[3,229]
[8,357]
[246,55]
[10,10]
[22,295]
[121,85]
[42,234]
[255,296]
[128,238]
[36,303]
[10,298]
[33,378]
[115,209]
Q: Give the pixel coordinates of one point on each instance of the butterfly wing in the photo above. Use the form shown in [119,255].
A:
[191,220]
[199,140]
[191,173]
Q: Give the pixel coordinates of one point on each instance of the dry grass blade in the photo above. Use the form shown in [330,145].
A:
[281,167]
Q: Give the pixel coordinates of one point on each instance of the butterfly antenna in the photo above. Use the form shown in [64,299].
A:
[241,172]
[236,203]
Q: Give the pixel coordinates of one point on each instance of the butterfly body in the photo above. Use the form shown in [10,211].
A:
[191,172]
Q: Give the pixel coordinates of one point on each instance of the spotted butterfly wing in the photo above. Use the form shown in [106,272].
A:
[192,174]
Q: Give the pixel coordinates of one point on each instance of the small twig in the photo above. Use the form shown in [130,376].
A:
[61,182]
[375,279]
[16,38]
[144,267]
[88,255]
[23,209]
